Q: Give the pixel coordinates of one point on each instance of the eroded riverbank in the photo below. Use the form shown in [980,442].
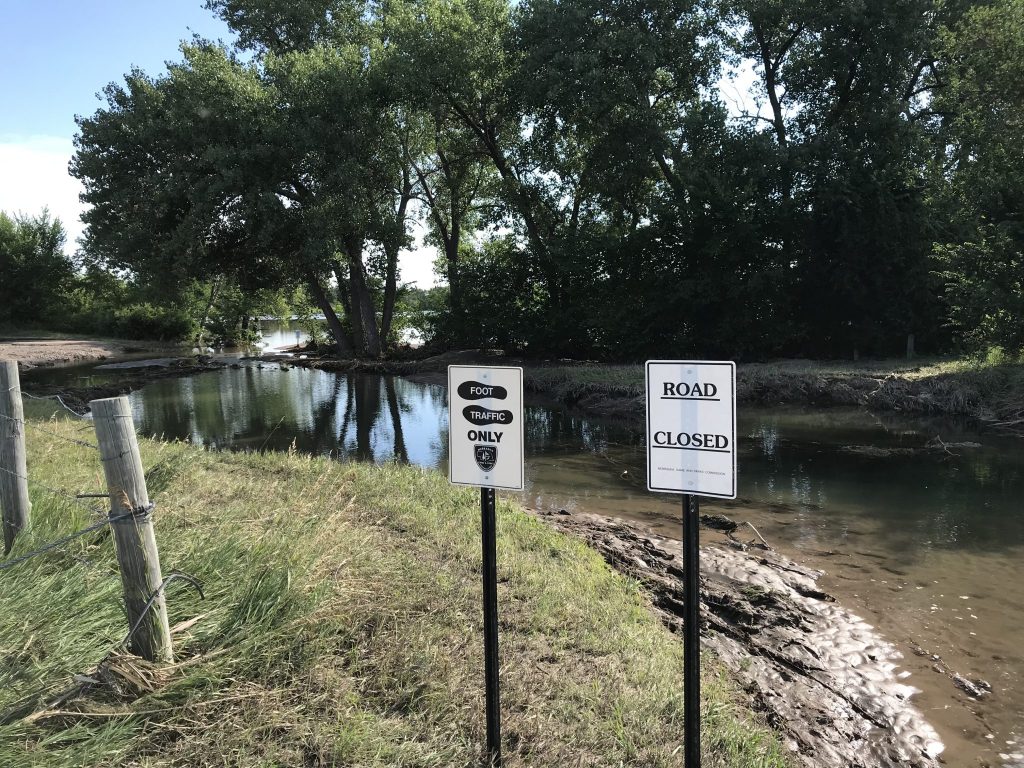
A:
[821,675]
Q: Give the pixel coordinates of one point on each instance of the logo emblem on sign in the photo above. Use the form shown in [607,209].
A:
[486,456]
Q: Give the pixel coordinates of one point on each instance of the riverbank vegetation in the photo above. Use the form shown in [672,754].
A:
[595,179]
[42,289]
[989,390]
[341,624]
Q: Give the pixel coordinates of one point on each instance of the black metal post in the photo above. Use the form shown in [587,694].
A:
[691,631]
[490,568]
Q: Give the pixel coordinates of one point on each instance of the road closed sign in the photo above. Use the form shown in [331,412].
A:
[691,427]
[485,432]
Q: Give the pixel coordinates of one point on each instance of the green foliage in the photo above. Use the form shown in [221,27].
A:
[145,321]
[35,274]
[587,189]
[980,253]
[985,289]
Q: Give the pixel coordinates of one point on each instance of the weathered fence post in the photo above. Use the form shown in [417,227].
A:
[14,500]
[134,539]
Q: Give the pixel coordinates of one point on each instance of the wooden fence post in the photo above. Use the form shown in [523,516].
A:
[134,539]
[14,500]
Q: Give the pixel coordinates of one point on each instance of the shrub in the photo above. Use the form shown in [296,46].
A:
[145,321]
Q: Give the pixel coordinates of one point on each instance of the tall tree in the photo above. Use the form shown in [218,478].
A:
[842,82]
[980,174]
[274,171]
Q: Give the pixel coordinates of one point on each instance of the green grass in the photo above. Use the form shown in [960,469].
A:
[342,626]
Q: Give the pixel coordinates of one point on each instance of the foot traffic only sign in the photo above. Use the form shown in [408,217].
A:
[485,448]
[485,430]
[691,449]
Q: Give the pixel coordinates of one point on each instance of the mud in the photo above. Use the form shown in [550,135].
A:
[135,376]
[821,676]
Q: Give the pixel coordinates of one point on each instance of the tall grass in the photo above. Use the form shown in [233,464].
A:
[342,626]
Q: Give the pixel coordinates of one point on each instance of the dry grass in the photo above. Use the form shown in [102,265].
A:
[342,627]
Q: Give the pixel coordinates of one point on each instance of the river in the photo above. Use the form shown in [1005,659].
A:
[927,544]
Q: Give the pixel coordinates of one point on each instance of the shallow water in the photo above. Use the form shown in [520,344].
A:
[928,545]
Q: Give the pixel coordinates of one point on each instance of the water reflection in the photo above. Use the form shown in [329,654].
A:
[794,460]
[927,498]
[261,407]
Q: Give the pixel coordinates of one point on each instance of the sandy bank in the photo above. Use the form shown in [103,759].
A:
[39,352]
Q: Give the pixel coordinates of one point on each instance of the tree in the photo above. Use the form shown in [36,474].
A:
[845,83]
[980,174]
[458,187]
[35,273]
[273,172]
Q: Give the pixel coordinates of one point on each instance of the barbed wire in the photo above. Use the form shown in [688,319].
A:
[135,513]
[37,428]
[172,576]
[73,498]
[58,398]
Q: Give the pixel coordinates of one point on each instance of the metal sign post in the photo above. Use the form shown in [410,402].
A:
[691,449]
[485,449]
[691,631]
[490,563]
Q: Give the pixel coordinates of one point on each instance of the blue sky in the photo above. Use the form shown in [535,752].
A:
[56,55]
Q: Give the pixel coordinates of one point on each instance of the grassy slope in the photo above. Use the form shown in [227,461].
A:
[342,626]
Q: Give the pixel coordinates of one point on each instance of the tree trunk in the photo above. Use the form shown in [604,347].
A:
[346,292]
[390,294]
[362,300]
[391,250]
[341,340]
[455,302]
[214,289]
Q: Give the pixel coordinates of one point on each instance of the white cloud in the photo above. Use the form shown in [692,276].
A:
[34,175]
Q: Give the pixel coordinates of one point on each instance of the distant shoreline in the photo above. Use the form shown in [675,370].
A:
[992,395]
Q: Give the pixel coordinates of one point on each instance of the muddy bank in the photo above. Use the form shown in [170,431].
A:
[41,353]
[131,376]
[820,674]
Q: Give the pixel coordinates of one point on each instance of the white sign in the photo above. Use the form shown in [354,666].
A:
[485,429]
[691,427]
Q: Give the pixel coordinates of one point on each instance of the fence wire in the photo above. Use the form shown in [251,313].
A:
[66,495]
[35,427]
[57,543]
[58,398]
